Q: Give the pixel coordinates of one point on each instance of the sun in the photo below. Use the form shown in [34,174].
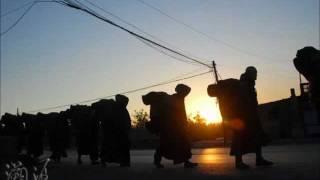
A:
[207,108]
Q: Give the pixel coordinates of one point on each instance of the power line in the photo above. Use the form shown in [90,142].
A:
[165,53]
[139,29]
[93,13]
[16,9]
[125,92]
[18,20]
[200,32]
[136,27]
[148,41]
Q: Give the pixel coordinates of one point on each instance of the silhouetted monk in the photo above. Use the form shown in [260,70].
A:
[57,131]
[159,121]
[307,62]
[86,131]
[182,144]
[35,134]
[64,126]
[105,114]
[12,125]
[123,126]
[250,137]
[174,142]
[238,106]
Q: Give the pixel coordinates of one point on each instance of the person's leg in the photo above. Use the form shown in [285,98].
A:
[260,161]
[239,163]
[189,164]
[94,158]
[79,158]
[259,153]
[125,156]
[157,158]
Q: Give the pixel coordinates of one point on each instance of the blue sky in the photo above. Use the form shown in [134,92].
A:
[56,55]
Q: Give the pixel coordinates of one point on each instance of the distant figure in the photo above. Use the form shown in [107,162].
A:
[57,129]
[307,62]
[105,114]
[123,126]
[86,131]
[12,125]
[35,134]
[174,142]
[116,124]
[250,137]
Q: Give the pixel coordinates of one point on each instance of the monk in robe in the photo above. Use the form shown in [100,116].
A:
[35,134]
[174,142]
[181,142]
[57,132]
[86,129]
[307,62]
[159,117]
[104,113]
[250,136]
[123,126]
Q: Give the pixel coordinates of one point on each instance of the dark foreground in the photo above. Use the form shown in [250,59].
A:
[291,162]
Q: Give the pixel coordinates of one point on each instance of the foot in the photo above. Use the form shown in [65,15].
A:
[242,165]
[158,165]
[189,164]
[124,164]
[94,162]
[263,162]
[64,154]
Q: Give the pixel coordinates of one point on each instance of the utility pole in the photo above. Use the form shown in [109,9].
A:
[215,73]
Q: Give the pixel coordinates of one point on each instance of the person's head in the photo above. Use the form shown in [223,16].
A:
[307,52]
[307,62]
[182,89]
[124,100]
[251,73]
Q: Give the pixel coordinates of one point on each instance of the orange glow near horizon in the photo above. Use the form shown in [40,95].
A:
[207,108]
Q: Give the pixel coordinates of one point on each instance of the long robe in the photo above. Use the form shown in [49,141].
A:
[251,136]
[169,121]
[13,126]
[86,128]
[57,132]
[179,139]
[307,62]
[104,113]
[35,134]
[123,126]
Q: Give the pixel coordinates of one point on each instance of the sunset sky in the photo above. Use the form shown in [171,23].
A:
[57,55]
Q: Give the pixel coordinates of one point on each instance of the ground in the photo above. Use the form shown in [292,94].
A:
[291,162]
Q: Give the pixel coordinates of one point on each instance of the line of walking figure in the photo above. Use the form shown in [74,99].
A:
[168,120]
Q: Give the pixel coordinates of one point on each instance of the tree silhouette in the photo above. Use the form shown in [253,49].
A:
[140,118]
[199,119]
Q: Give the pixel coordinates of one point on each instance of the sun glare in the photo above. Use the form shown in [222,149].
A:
[207,108]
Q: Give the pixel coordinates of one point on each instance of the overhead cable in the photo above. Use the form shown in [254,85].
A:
[136,27]
[91,12]
[16,9]
[18,20]
[200,32]
[125,92]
